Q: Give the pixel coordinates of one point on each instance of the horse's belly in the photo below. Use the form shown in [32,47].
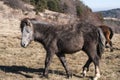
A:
[71,49]
[72,45]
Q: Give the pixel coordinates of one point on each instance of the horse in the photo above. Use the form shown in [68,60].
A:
[108,33]
[61,39]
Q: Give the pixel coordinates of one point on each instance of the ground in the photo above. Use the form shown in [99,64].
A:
[17,63]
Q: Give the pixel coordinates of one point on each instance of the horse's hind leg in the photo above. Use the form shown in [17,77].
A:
[106,44]
[97,73]
[111,46]
[61,56]
[86,67]
[95,59]
[109,41]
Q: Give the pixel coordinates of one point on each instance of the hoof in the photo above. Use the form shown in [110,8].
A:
[45,76]
[69,75]
[96,77]
[111,50]
[106,46]
[84,73]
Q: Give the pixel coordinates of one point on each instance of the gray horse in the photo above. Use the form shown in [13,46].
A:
[61,39]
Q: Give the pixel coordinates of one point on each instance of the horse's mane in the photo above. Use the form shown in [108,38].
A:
[40,25]
[45,24]
[35,21]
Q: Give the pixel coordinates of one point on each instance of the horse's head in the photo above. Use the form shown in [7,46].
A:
[27,32]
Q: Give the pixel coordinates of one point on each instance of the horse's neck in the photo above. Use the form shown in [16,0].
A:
[42,32]
[39,22]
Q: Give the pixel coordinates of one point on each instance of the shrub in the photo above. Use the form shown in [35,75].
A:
[16,4]
[78,10]
[40,5]
[53,5]
[63,7]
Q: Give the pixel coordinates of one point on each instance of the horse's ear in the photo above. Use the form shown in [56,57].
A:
[29,23]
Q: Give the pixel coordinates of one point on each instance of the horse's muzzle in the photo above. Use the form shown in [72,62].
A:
[23,45]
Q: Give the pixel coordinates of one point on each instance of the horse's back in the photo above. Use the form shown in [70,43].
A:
[107,31]
[104,28]
[83,35]
[90,32]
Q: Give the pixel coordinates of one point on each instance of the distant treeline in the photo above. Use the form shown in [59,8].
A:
[64,6]
[74,7]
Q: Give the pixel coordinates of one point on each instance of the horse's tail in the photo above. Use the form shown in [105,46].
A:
[111,33]
[101,43]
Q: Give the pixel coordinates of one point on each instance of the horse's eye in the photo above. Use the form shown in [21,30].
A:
[27,31]
[27,23]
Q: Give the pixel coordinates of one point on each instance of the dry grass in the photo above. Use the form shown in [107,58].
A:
[17,63]
[28,63]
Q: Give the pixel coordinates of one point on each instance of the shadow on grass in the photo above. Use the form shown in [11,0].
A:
[19,70]
[23,70]
[80,76]
[115,48]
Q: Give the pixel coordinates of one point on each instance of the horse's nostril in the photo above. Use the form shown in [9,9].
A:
[22,44]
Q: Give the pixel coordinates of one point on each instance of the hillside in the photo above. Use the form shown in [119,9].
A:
[114,23]
[114,13]
[12,11]
[112,19]
[67,7]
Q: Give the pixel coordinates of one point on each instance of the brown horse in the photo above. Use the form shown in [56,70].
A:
[61,39]
[108,33]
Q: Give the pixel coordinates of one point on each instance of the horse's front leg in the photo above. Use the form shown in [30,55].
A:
[61,56]
[48,59]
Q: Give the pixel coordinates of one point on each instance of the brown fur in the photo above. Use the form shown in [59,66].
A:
[108,33]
